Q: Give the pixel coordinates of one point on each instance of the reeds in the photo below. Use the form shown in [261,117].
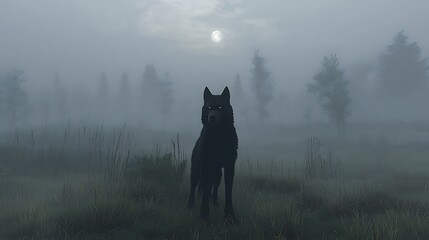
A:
[320,162]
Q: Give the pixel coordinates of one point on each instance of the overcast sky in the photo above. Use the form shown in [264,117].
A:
[80,38]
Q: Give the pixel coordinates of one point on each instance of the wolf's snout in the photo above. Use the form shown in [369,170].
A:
[212,119]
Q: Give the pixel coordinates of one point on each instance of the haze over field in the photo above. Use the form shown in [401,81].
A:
[101,105]
[78,41]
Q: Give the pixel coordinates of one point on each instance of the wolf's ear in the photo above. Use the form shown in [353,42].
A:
[226,94]
[207,94]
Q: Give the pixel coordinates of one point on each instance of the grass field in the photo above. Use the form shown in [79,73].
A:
[89,181]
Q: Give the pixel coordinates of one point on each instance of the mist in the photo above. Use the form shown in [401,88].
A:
[79,41]
[326,95]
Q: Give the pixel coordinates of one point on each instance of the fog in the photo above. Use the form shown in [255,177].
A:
[102,103]
[75,42]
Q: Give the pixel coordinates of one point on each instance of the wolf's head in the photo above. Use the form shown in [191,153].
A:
[217,110]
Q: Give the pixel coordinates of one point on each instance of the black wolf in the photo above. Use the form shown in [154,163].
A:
[216,148]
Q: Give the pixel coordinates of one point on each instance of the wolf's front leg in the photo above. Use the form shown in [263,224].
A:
[206,187]
[194,182]
[229,181]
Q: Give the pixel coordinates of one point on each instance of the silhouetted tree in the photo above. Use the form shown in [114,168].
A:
[402,70]
[157,91]
[239,97]
[150,81]
[13,97]
[261,82]
[331,88]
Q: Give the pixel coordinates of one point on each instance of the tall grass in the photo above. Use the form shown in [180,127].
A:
[116,161]
[89,181]
[319,161]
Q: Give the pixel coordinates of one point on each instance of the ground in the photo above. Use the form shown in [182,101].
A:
[86,181]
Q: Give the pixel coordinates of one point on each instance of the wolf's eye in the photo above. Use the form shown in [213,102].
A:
[220,107]
[210,107]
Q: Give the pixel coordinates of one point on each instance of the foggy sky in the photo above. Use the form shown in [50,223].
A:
[79,39]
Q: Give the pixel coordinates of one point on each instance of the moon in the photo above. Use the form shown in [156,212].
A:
[217,36]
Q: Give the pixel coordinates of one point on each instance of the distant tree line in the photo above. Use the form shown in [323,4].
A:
[401,72]
[155,92]
[56,101]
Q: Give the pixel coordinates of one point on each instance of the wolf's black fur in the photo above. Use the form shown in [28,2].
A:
[216,148]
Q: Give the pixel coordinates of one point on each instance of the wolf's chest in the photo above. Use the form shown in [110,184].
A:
[219,152]
[218,148]
[220,157]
